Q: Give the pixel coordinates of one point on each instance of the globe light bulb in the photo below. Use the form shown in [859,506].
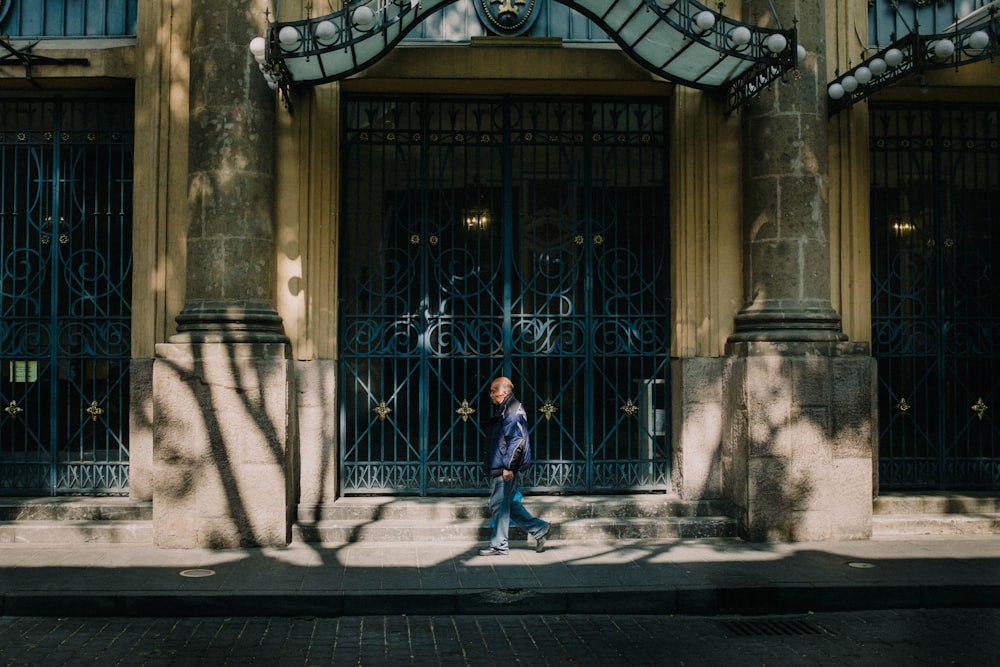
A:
[877,67]
[800,53]
[835,91]
[258,47]
[363,16]
[705,20]
[849,83]
[978,40]
[776,43]
[943,49]
[740,35]
[893,57]
[863,75]
[289,37]
[325,31]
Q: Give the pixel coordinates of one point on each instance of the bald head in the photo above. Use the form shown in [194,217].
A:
[500,389]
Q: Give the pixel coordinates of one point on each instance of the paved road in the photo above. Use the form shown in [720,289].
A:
[912,637]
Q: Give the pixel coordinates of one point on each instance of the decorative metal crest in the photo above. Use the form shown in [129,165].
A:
[507,17]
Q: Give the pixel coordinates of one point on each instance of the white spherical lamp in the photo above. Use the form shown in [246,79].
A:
[740,35]
[877,67]
[704,20]
[835,91]
[978,40]
[849,83]
[363,16]
[943,49]
[289,37]
[258,47]
[863,75]
[893,57]
[776,43]
[325,31]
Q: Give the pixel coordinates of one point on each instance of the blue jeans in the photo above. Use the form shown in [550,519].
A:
[505,506]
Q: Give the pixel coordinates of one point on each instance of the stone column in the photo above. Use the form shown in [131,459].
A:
[799,422]
[224,468]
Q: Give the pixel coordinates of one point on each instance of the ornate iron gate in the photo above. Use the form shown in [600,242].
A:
[521,237]
[935,214]
[65,295]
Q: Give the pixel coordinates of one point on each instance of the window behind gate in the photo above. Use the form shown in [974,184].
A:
[65,294]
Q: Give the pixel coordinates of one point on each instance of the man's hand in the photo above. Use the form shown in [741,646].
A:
[508,475]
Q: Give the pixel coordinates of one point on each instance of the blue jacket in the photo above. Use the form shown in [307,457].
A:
[507,438]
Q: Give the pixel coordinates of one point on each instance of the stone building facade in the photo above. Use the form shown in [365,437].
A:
[276,234]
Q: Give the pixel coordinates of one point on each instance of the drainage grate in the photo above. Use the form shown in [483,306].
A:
[769,627]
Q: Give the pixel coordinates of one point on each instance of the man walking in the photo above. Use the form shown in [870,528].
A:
[508,453]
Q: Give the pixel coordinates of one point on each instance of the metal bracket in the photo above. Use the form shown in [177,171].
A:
[27,59]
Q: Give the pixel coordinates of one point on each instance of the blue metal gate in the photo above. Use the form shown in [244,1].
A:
[65,295]
[935,211]
[518,237]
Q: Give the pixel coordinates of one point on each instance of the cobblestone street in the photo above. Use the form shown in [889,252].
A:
[912,637]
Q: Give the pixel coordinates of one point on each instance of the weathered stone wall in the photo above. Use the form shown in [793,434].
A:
[696,420]
[798,440]
[224,457]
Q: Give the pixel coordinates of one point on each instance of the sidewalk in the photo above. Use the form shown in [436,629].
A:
[709,576]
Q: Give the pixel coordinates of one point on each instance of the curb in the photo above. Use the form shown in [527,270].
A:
[698,601]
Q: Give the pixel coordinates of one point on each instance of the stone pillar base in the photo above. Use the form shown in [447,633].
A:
[222,454]
[316,398]
[696,399]
[798,440]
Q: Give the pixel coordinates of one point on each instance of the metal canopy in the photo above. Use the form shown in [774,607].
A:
[968,40]
[681,40]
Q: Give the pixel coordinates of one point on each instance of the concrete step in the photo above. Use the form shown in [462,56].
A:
[365,508]
[576,518]
[74,508]
[76,532]
[576,530]
[935,514]
[75,520]
[937,503]
[910,525]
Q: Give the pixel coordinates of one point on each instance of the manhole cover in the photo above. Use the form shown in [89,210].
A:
[197,573]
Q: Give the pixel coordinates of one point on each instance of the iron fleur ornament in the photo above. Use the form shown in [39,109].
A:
[465,411]
[382,410]
[13,410]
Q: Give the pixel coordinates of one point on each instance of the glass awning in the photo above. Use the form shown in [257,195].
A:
[971,39]
[682,41]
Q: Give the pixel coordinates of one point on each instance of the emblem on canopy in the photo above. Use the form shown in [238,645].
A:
[507,17]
